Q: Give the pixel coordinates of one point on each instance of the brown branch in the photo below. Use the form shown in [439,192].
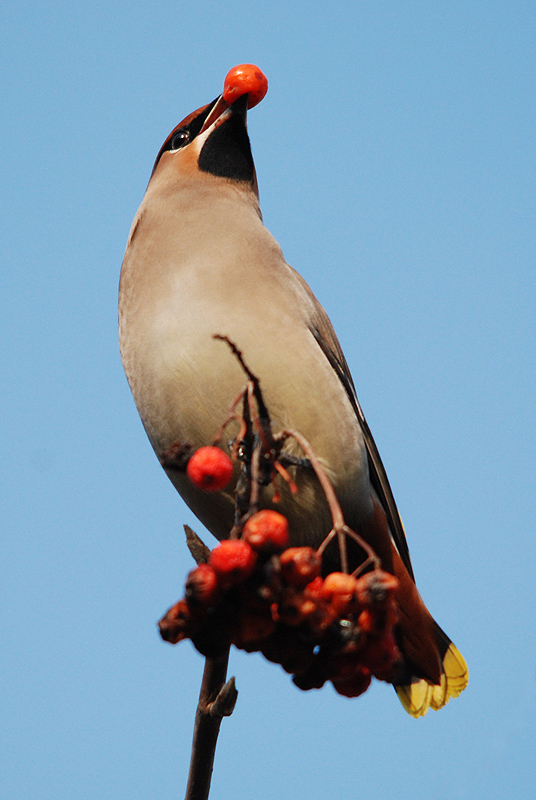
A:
[216,700]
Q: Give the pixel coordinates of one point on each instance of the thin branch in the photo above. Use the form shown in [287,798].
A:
[216,700]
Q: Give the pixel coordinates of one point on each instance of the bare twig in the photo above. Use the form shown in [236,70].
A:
[216,700]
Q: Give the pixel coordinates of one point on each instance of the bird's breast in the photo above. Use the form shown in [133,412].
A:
[182,283]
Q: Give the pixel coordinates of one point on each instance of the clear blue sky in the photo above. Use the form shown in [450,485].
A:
[396,162]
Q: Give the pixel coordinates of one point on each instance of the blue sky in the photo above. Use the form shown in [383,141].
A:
[395,156]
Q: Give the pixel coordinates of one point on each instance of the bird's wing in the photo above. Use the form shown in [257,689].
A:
[322,330]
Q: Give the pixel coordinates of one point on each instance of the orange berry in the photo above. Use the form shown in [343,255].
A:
[210,469]
[340,591]
[202,586]
[378,620]
[233,561]
[245,79]
[266,531]
[300,566]
[366,621]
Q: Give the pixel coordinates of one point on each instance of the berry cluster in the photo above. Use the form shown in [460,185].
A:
[260,594]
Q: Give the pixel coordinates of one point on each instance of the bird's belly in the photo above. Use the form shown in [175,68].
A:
[184,382]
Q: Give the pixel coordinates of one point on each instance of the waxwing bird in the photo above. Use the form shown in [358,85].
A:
[200,262]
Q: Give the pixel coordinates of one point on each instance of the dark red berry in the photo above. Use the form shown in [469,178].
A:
[300,566]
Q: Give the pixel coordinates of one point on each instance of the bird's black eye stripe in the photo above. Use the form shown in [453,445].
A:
[182,136]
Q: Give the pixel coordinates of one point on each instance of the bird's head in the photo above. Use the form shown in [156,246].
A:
[213,141]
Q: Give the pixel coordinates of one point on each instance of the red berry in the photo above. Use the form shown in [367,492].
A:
[300,566]
[266,531]
[315,587]
[202,586]
[245,79]
[233,561]
[210,469]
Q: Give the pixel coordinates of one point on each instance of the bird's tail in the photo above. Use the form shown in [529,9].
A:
[419,695]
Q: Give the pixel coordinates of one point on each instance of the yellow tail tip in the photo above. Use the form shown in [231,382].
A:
[419,696]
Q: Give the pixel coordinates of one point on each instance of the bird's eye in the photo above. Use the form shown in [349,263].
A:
[179,139]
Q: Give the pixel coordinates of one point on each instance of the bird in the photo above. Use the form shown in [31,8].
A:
[200,263]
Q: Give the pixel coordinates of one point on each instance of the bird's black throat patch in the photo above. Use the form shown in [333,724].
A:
[227,151]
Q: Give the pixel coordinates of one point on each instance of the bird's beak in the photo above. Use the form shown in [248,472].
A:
[218,109]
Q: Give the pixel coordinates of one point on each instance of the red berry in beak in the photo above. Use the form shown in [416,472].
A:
[245,79]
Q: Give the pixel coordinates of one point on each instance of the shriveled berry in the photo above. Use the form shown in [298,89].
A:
[285,648]
[245,79]
[210,469]
[354,686]
[178,623]
[377,620]
[233,561]
[379,655]
[213,637]
[313,678]
[253,627]
[345,661]
[376,587]
[202,586]
[266,531]
[300,566]
[295,606]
